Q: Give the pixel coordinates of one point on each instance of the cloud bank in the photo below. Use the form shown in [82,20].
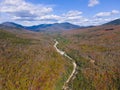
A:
[27,13]
[103,14]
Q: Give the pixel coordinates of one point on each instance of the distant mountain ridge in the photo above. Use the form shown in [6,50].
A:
[53,27]
[11,24]
[50,27]
[42,27]
[114,22]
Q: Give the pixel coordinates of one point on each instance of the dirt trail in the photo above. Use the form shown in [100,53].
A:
[72,75]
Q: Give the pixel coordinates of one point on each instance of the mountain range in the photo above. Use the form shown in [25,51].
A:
[41,27]
[50,27]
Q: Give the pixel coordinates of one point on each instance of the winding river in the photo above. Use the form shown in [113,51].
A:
[72,75]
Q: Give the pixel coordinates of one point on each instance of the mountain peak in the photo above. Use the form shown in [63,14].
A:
[12,24]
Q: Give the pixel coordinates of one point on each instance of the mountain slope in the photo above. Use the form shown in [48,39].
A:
[12,27]
[11,24]
[28,63]
[114,22]
[97,54]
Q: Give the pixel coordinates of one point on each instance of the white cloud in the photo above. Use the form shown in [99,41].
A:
[73,16]
[103,14]
[22,9]
[115,12]
[27,13]
[10,6]
[99,21]
[93,3]
[50,17]
[72,13]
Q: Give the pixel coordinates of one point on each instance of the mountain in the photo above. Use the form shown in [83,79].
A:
[11,24]
[18,52]
[12,27]
[53,27]
[114,22]
[38,28]
[97,54]
[41,27]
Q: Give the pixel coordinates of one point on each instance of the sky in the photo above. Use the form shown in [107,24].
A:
[79,12]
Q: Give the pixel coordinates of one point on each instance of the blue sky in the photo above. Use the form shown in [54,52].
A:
[80,12]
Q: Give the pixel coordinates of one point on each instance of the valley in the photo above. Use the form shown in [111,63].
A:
[59,44]
[79,59]
[96,53]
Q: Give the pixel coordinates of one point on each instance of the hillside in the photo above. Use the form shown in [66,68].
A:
[11,24]
[96,51]
[29,61]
